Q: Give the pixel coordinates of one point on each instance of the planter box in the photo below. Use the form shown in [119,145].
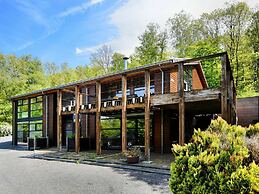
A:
[70,144]
[133,160]
[41,142]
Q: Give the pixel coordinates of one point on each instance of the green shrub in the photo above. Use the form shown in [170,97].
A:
[215,161]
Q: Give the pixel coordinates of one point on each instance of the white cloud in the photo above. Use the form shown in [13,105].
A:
[133,16]
[89,50]
[80,8]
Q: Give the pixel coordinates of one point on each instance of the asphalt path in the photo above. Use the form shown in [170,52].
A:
[21,174]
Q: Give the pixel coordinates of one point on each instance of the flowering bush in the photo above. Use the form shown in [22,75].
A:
[5,129]
[217,160]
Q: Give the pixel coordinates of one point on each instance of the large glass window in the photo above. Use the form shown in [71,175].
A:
[29,117]
[36,107]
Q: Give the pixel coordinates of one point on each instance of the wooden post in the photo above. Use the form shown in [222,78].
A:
[14,123]
[181,103]
[98,118]
[224,110]
[77,123]
[124,114]
[162,130]
[59,120]
[147,114]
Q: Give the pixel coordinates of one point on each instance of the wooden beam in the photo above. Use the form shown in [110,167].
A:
[68,113]
[77,123]
[98,118]
[224,86]
[181,103]
[14,123]
[68,91]
[59,119]
[124,114]
[137,105]
[190,96]
[88,110]
[147,114]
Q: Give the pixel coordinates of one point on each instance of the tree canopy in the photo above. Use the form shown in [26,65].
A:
[234,29]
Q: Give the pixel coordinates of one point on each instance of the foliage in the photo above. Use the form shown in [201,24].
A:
[215,161]
[132,152]
[153,44]
[233,28]
[5,129]
[71,136]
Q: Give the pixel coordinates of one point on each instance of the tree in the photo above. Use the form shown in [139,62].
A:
[103,58]
[180,31]
[253,37]
[235,19]
[153,44]
[117,62]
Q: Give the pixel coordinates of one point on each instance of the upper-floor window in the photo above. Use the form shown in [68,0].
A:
[36,107]
[187,78]
[23,108]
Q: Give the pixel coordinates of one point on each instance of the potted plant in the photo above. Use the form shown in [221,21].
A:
[70,142]
[132,155]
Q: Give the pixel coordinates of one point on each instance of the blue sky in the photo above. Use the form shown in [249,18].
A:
[70,30]
[52,30]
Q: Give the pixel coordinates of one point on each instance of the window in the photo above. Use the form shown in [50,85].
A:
[23,108]
[36,107]
[35,129]
[22,131]
[187,78]
[29,117]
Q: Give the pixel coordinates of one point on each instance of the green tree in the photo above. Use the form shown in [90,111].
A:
[117,62]
[153,45]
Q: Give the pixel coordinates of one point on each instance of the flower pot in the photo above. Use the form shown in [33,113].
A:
[133,160]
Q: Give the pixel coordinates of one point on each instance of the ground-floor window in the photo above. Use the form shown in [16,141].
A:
[29,129]
[111,132]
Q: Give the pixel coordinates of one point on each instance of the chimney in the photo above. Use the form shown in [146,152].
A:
[125,59]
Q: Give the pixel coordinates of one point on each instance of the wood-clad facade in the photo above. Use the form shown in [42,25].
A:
[153,106]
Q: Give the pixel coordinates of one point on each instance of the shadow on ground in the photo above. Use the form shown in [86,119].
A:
[158,182]
[6,144]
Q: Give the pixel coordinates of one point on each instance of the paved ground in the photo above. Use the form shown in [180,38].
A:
[20,174]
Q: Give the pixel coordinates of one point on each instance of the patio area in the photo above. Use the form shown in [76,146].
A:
[162,161]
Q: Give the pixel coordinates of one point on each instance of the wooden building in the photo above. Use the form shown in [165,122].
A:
[155,105]
[248,110]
